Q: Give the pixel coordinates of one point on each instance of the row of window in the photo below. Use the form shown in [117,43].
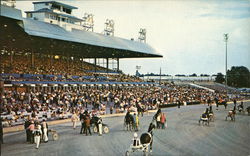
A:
[55,17]
[68,11]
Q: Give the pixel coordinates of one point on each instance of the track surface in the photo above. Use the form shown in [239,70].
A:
[183,136]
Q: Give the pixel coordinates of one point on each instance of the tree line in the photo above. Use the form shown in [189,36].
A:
[237,76]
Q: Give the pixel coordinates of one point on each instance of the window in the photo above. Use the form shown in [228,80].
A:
[57,7]
[51,16]
[68,11]
[29,15]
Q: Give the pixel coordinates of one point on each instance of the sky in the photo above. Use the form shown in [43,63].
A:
[188,33]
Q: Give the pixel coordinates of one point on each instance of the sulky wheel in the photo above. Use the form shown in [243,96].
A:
[105,129]
[95,129]
[55,136]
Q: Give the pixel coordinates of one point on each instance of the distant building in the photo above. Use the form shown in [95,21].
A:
[55,13]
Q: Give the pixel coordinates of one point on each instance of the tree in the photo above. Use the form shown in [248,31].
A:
[204,75]
[219,78]
[238,77]
[193,75]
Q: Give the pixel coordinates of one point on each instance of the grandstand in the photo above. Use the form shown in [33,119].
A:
[52,46]
[50,63]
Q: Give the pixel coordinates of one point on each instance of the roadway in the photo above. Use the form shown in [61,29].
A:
[183,136]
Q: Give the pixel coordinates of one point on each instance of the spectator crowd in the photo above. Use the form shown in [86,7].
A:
[61,69]
[60,104]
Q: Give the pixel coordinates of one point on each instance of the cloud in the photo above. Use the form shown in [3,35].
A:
[226,9]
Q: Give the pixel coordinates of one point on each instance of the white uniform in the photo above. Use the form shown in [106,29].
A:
[37,135]
[100,126]
[45,130]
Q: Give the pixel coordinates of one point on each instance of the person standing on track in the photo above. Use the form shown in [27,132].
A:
[209,101]
[136,121]
[45,131]
[156,117]
[31,129]
[216,102]
[28,133]
[163,120]
[235,102]
[37,135]
[87,125]
[158,120]
[74,119]
[82,118]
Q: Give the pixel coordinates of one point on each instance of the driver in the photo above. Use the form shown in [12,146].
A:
[211,110]
[205,115]
[241,106]
[136,140]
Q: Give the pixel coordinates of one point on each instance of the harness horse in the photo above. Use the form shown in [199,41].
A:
[94,124]
[128,122]
[231,114]
[248,110]
[144,143]
[204,119]
[224,102]
[141,144]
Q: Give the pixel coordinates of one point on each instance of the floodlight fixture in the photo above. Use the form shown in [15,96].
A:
[142,35]
[88,22]
[109,27]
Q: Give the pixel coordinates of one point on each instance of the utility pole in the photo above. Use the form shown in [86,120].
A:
[226,39]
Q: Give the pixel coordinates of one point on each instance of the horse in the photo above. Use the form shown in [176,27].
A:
[128,122]
[248,110]
[211,117]
[224,102]
[231,114]
[140,110]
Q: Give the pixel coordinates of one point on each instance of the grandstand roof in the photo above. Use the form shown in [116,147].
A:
[44,37]
[57,3]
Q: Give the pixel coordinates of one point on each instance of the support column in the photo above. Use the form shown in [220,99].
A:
[51,58]
[118,64]
[95,64]
[107,65]
[82,63]
[11,58]
[69,59]
[32,59]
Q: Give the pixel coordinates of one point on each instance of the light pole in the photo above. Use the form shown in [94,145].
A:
[226,39]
